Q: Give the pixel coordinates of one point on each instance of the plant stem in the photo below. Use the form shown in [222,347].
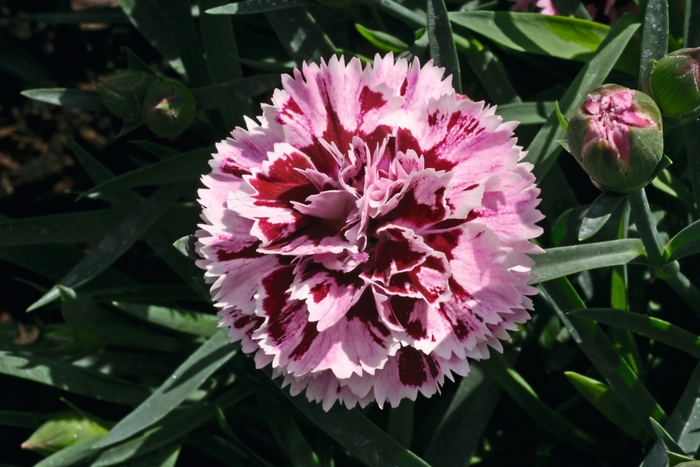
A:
[670,273]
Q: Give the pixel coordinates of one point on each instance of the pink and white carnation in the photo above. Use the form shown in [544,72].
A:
[370,232]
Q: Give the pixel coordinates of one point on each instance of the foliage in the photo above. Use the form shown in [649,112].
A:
[605,373]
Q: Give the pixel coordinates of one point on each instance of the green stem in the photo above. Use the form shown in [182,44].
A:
[647,229]
[670,273]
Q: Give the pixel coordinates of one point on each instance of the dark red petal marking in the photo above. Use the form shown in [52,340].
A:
[405,141]
[460,127]
[403,308]
[244,321]
[309,333]
[365,310]
[412,367]
[416,214]
[276,305]
[402,92]
[444,242]
[370,100]
[248,252]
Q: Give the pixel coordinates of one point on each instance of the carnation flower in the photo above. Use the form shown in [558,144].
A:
[370,233]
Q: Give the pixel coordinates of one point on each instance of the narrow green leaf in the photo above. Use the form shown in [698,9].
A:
[527,399]
[442,47]
[563,123]
[189,376]
[603,398]
[400,424]
[178,15]
[382,40]
[647,326]
[545,148]
[75,454]
[671,185]
[185,166]
[171,428]
[598,215]
[65,376]
[209,97]
[300,35]
[654,35]
[92,15]
[223,61]
[527,113]
[462,428]
[249,7]
[78,98]
[664,438]
[155,149]
[562,261]
[144,293]
[357,434]
[287,432]
[555,36]
[492,75]
[191,322]
[116,243]
[684,243]
[150,20]
[691,27]
[562,297]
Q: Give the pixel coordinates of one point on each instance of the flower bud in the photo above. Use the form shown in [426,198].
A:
[123,92]
[64,429]
[674,83]
[169,107]
[616,137]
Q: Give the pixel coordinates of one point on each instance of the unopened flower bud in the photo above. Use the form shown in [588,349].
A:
[674,83]
[169,107]
[123,92]
[64,429]
[616,137]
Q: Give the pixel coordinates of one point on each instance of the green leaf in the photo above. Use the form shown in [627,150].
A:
[671,185]
[382,40]
[171,428]
[555,36]
[527,113]
[691,29]
[544,148]
[209,97]
[684,243]
[664,438]
[151,20]
[598,215]
[185,166]
[401,421]
[562,297]
[603,398]
[249,7]
[562,261]
[116,243]
[287,432]
[75,454]
[189,376]
[442,47]
[65,376]
[357,434]
[78,98]
[462,427]
[514,384]
[647,326]
[654,35]
[300,35]
[190,322]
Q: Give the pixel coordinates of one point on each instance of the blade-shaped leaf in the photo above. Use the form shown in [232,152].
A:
[527,113]
[358,435]
[664,438]
[462,428]
[116,243]
[249,7]
[71,378]
[544,148]
[382,40]
[209,97]
[78,98]
[654,35]
[74,454]
[22,419]
[562,261]
[442,47]
[191,322]
[598,214]
[684,243]
[171,428]
[562,297]
[300,35]
[189,376]
[647,326]
[603,398]
[184,166]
